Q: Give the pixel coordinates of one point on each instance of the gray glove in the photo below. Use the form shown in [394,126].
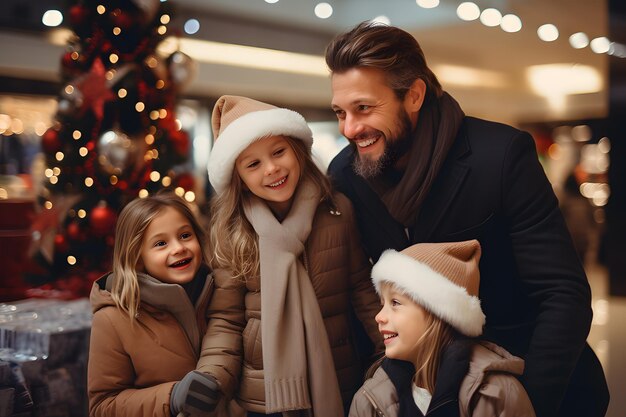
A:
[194,395]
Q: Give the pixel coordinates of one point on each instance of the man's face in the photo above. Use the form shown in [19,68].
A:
[372,118]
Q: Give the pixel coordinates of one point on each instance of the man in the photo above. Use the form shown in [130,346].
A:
[419,170]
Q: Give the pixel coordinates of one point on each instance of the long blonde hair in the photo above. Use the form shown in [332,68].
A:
[437,336]
[233,241]
[129,232]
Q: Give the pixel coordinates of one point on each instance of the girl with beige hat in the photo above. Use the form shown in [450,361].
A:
[432,366]
[290,274]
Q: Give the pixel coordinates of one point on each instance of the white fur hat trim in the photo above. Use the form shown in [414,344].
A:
[431,290]
[247,129]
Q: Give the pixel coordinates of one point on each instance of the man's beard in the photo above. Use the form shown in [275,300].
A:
[395,148]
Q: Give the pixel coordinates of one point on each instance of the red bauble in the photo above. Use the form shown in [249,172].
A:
[60,243]
[75,233]
[50,141]
[123,20]
[78,16]
[185,181]
[180,142]
[102,220]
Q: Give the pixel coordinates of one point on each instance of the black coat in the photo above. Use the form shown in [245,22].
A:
[533,288]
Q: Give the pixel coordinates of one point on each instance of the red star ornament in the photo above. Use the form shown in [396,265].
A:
[94,88]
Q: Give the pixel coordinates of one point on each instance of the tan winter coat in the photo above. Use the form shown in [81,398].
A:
[340,276]
[132,369]
[490,388]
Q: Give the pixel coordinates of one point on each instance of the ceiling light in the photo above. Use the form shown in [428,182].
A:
[511,23]
[468,11]
[491,17]
[191,26]
[600,45]
[469,77]
[323,10]
[246,56]
[548,32]
[52,18]
[271,1]
[427,4]
[578,40]
[564,79]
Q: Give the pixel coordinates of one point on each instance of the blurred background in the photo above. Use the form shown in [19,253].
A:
[101,101]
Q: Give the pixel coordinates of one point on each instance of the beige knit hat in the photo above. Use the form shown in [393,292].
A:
[239,121]
[441,277]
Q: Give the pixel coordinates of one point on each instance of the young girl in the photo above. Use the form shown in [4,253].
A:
[286,250]
[431,366]
[149,315]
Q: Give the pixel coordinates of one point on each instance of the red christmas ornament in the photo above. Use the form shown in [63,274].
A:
[50,141]
[102,220]
[95,90]
[75,233]
[185,181]
[180,142]
[60,243]
[123,20]
[78,15]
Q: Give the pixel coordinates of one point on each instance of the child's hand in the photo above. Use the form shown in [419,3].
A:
[196,394]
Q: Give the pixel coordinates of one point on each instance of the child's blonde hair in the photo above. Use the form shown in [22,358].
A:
[131,227]
[233,241]
[437,335]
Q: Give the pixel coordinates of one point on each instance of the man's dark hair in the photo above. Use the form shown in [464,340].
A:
[388,48]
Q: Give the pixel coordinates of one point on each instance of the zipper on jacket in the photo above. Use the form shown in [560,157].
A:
[377,409]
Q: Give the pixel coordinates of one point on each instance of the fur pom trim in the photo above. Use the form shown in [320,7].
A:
[247,129]
[431,290]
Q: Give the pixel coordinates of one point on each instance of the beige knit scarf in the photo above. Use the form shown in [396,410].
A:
[297,361]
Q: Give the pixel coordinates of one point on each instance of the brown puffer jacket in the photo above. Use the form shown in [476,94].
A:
[132,369]
[340,275]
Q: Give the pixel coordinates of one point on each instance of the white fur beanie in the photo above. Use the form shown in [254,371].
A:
[441,277]
[239,121]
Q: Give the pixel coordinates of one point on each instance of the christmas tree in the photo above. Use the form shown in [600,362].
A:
[115,136]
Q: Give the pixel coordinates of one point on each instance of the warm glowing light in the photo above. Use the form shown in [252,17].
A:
[113,179]
[121,93]
[101,9]
[491,17]
[83,151]
[71,260]
[579,40]
[604,145]
[245,56]
[77,134]
[323,10]
[59,156]
[190,196]
[69,89]
[600,45]
[54,180]
[152,62]
[149,139]
[554,151]
[113,58]
[548,32]
[4,194]
[48,173]
[155,176]
[180,191]
[140,106]
[52,18]
[56,171]
[48,205]
[160,84]
[162,114]
[563,79]
[117,31]
[82,213]
[511,23]
[162,30]
[469,77]
[165,19]
[427,4]
[88,181]
[468,11]
[154,114]
[166,181]
[143,193]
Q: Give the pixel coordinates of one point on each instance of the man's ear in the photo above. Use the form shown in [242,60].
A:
[415,96]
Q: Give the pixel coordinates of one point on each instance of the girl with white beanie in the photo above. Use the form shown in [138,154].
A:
[290,275]
[430,317]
